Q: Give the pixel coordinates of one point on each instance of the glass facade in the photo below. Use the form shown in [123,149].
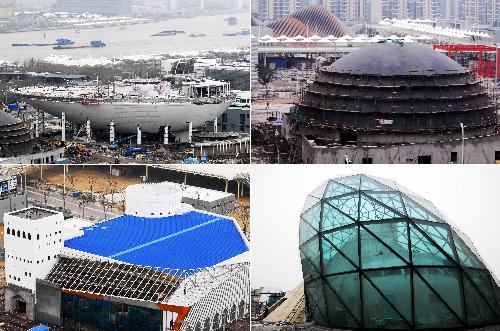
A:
[88,314]
[375,255]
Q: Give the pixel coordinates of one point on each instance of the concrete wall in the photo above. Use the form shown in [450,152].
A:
[14,293]
[15,202]
[219,206]
[48,303]
[477,150]
[37,158]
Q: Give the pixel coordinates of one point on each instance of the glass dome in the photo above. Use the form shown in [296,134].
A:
[375,255]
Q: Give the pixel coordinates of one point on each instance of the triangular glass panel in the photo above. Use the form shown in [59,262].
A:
[478,309]
[347,242]
[347,288]
[338,315]
[310,201]
[390,199]
[306,232]
[351,181]
[375,255]
[310,250]
[378,312]
[332,218]
[314,293]
[424,252]
[369,184]
[416,211]
[441,235]
[465,254]
[313,215]
[394,234]
[320,190]
[309,270]
[430,311]
[446,282]
[347,204]
[395,284]
[373,210]
[485,283]
[335,189]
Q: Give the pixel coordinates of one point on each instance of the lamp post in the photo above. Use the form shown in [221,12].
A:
[462,127]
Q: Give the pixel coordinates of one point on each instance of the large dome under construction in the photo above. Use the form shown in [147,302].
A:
[15,138]
[397,89]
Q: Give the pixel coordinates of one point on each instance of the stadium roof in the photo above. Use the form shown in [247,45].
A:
[187,241]
[229,172]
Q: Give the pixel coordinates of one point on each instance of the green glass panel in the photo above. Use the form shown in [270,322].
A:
[320,190]
[416,211]
[390,199]
[441,235]
[478,310]
[309,270]
[316,300]
[311,250]
[332,218]
[446,282]
[313,215]
[395,285]
[424,252]
[345,240]
[369,184]
[347,204]
[377,311]
[335,189]
[310,201]
[465,255]
[351,181]
[338,315]
[306,232]
[347,288]
[375,255]
[484,282]
[394,234]
[373,210]
[430,311]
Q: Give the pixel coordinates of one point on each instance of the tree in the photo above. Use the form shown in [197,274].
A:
[265,75]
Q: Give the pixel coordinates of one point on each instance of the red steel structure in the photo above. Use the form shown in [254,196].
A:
[481,67]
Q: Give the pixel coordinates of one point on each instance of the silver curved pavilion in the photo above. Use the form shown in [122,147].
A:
[149,104]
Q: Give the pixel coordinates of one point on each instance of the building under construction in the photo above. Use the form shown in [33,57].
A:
[395,103]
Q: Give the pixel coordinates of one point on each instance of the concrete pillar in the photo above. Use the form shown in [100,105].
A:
[165,135]
[139,136]
[112,132]
[147,172]
[88,130]
[37,124]
[164,320]
[215,125]
[190,133]
[185,178]
[63,126]
[201,150]
[227,185]
[238,190]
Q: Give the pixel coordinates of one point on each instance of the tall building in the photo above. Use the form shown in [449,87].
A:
[376,255]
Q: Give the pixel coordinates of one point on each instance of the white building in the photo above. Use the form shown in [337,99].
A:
[33,239]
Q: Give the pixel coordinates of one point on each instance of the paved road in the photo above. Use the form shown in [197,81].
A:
[92,210]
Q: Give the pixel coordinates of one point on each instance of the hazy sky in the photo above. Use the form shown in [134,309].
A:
[468,195]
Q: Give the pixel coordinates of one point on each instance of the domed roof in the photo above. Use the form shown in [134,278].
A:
[394,59]
[368,242]
[7,119]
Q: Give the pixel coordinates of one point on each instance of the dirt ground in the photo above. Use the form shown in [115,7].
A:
[81,179]
[242,214]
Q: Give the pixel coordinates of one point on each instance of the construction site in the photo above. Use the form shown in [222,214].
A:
[92,213]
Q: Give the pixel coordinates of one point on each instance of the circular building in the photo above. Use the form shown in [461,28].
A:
[15,138]
[394,93]
[375,255]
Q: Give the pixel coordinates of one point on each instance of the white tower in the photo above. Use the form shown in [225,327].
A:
[33,239]
[165,135]
[112,132]
[63,127]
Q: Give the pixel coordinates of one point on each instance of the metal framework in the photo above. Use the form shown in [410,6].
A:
[482,67]
[375,255]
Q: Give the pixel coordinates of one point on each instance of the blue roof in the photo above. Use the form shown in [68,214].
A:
[191,240]
[40,327]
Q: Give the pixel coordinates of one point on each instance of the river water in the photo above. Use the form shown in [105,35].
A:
[133,40]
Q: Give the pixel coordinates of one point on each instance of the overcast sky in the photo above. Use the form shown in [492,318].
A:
[468,195]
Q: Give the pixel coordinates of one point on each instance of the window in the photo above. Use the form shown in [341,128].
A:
[24,235]
[424,159]
[454,157]
[367,160]
[497,157]
[19,233]
[37,237]
[8,231]
[29,236]
[48,258]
